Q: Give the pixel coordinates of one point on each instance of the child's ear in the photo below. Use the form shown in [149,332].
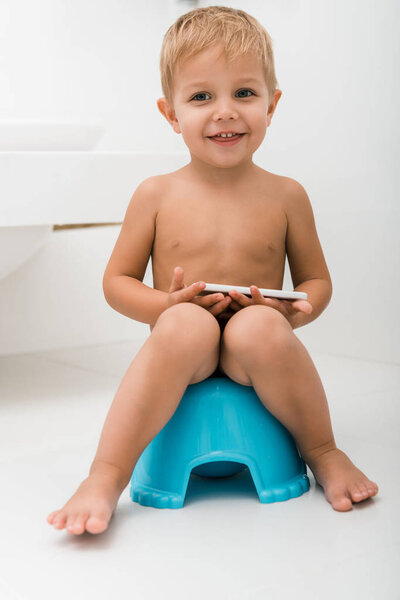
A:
[169,113]
[272,105]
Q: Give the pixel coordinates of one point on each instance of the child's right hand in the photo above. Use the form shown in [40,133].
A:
[179,292]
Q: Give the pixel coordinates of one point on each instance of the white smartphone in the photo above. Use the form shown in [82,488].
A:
[281,294]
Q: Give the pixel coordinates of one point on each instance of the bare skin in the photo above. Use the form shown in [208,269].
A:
[222,219]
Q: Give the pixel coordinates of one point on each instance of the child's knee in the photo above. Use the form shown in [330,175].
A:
[188,321]
[256,328]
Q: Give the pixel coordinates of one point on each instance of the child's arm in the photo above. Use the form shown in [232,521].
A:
[134,299]
[307,264]
[122,281]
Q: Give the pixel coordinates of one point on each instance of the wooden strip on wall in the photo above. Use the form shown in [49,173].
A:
[82,225]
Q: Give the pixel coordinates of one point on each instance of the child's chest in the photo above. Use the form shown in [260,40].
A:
[246,230]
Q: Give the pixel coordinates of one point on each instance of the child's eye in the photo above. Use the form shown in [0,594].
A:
[201,96]
[240,91]
[196,97]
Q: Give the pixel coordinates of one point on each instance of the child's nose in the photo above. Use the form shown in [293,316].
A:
[224,111]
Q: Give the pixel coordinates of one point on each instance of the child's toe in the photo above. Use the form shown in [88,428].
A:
[60,520]
[340,501]
[69,525]
[374,489]
[359,492]
[80,524]
[50,518]
[356,492]
[76,525]
[97,524]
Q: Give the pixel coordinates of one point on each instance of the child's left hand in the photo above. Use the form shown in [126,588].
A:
[288,308]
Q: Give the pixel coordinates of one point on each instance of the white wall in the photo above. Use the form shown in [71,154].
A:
[335,130]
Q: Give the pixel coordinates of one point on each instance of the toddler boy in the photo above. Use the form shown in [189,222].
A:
[222,219]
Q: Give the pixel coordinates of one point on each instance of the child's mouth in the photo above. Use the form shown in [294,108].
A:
[231,141]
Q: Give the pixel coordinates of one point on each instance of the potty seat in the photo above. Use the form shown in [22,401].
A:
[219,429]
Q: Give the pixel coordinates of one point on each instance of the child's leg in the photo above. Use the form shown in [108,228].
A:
[182,349]
[260,349]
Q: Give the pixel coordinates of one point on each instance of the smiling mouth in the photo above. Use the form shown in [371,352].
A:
[228,141]
[225,139]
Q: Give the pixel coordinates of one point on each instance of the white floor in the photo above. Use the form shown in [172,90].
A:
[224,544]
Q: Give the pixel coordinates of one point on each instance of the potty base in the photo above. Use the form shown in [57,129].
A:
[219,428]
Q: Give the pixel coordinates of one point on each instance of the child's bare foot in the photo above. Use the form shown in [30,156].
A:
[91,507]
[343,483]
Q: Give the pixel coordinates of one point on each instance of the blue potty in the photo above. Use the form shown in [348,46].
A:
[219,429]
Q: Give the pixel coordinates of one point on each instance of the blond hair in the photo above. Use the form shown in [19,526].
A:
[237,32]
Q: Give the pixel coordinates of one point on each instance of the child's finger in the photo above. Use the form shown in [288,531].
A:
[235,306]
[273,302]
[240,299]
[214,303]
[188,293]
[179,277]
[220,306]
[256,294]
[303,306]
[177,280]
[209,299]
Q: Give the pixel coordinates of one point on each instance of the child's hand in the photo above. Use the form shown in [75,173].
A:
[179,292]
[288,308]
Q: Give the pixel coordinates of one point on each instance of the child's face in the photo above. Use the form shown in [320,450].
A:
[212,96]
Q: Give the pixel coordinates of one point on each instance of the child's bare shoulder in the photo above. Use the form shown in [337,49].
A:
[290,194]
[155,187]
[292,191]
[284,186]
[147,197]
[150,188]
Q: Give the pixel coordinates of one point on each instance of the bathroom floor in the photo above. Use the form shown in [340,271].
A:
[224,544]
